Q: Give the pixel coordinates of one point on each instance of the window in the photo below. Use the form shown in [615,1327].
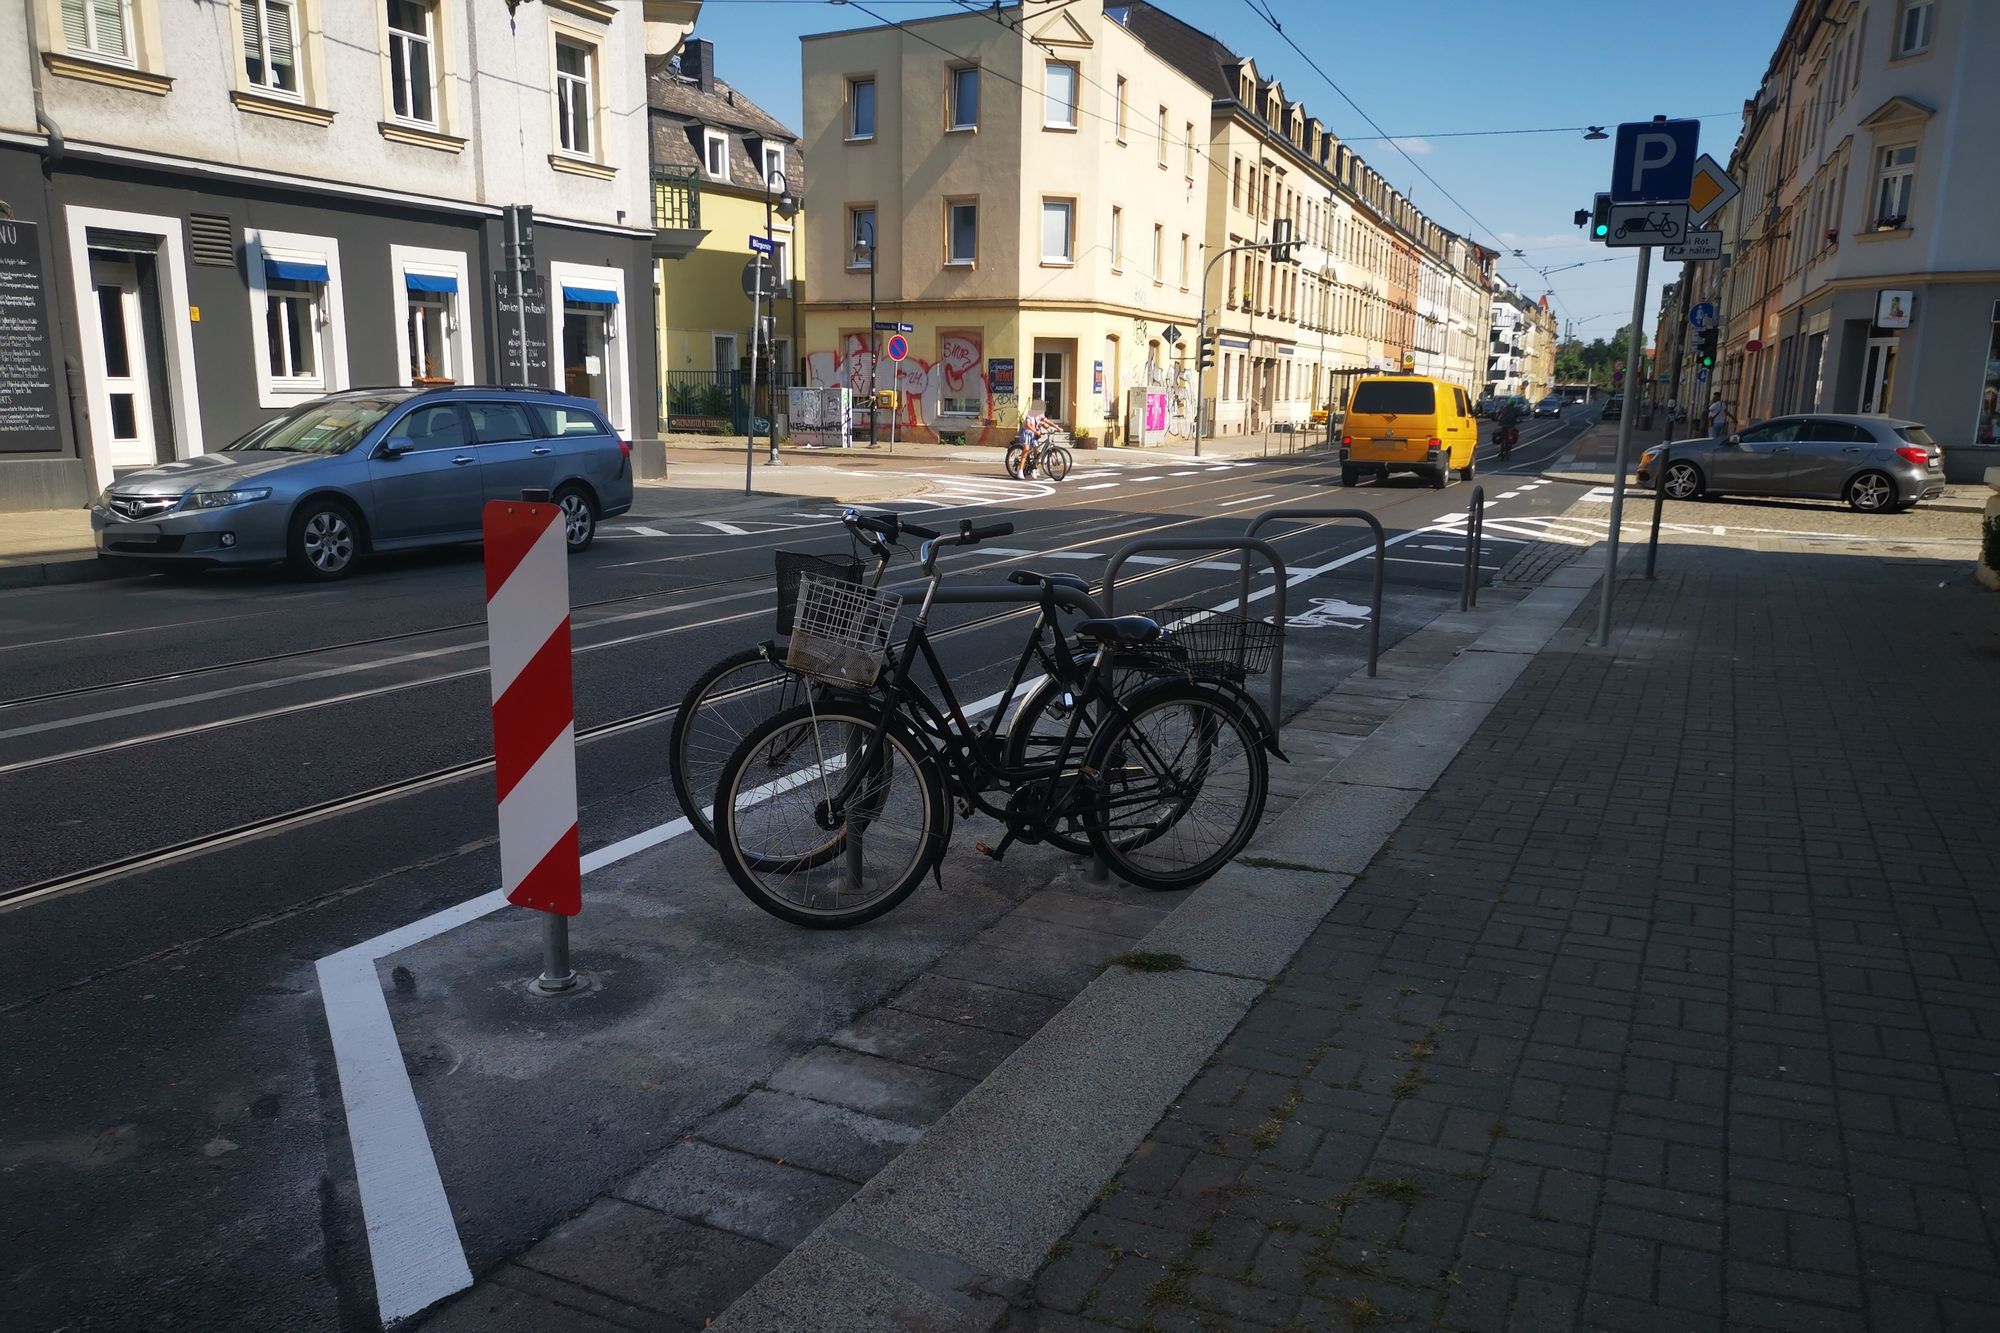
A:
[1117,238]
[964,99]
[1184,261]
[1236,182]
[715,153]
[1057,215]
[428,324]
[1163,136]
[99,28]
[270,45]
[961,245]
[1059,96]
[555,421]
[412,62]
[1118,110]
[427,428]
[1913,27]
[499,423]
[1159,242]
[292,330]
[725,351]
[1895,174]
[774,167]
[860,238]
[1188,150]
[861,108]
[781,265]
[575,99]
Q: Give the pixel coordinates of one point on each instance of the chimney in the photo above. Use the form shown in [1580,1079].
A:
[698,63]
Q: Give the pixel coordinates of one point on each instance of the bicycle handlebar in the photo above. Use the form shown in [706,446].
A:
[888,526]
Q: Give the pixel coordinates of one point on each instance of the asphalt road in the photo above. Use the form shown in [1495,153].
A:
[214,782]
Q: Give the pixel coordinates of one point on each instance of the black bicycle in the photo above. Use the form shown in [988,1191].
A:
[832,812]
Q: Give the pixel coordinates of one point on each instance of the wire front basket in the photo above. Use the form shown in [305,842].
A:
[841,631]
[1214,641]
[791,564]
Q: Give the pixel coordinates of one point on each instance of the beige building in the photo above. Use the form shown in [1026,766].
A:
[1030,202]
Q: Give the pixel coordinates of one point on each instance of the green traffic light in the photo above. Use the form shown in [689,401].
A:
[1603,230]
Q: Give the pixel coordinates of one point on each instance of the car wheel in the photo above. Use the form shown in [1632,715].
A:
[1470,469]
[1871,493]
[1350,476]
[1682,482]
[325,540]
[1441,475]
[579,518]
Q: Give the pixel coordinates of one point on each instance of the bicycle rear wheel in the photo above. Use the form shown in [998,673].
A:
[1184,780]
[1035,738]
[773,824]
[716,713]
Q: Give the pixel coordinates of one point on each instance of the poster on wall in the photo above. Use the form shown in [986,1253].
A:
[1892,309]
[27,358]
[1097,378]
[1000,375]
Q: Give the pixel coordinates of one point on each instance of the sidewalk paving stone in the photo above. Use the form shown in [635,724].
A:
[1668,1007]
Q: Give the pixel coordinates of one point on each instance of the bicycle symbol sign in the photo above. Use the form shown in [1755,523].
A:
[1330,613]
[1647,224]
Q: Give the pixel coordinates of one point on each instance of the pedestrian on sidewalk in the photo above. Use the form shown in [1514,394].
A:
[1719,419]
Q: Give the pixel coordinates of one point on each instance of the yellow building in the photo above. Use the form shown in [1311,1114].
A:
[721,169]
[1030,202]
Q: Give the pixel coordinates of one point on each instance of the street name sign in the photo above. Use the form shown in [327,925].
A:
[1653,161]
[1695,246]
[1709,191]
[762,245]
[891,326]
[1647,224]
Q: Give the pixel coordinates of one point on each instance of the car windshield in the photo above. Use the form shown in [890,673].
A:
[321,428]
[1386,397]
[1918,436]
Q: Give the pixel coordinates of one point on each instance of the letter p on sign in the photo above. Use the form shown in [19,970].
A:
[1653,161]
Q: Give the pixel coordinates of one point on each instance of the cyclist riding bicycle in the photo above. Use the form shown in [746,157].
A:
[1507,426]
[1036,428]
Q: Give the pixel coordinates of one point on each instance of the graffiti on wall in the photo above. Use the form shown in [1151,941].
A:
[948,396]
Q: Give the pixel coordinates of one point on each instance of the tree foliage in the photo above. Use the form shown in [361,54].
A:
[1578,362]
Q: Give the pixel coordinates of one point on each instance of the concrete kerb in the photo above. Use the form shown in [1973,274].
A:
[955,1229]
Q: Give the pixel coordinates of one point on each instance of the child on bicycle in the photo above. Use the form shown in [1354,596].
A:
[1036,424]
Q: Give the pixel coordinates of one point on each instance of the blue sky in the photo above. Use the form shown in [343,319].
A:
[1430,70]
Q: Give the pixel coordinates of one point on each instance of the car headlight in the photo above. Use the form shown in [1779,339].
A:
[223,499]
[103,500]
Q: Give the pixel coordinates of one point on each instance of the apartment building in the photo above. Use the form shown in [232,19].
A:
[1377,281]
[1029,201]
[213,212]
[1521,344]
[724,170]
[1865,267]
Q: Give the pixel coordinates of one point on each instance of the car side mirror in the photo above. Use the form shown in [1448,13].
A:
[1735,439]
[397,447]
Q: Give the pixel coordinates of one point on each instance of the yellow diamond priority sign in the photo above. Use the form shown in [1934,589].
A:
[1711,190]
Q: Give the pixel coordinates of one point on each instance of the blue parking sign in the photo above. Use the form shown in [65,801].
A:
[1652,161]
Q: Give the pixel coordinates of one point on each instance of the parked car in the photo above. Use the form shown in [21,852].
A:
[1875,463]
[371,470]
[1550,406]
[1614,407]
[1487,405]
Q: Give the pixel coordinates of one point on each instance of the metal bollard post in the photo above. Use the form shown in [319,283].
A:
[1475,532]
[557,975]
[1659,502]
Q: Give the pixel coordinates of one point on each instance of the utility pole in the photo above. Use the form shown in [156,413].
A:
[1636,345]
[1272,247]
[521,258]
[787,207]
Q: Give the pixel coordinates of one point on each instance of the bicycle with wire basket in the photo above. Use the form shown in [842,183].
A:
[832,812]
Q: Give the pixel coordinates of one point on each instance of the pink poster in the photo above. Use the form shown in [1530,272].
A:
[1156,413]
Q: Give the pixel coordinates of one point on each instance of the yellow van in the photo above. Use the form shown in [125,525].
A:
[1403,422]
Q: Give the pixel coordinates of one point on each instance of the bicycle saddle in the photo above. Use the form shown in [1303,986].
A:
[1028,577]
[1120,629]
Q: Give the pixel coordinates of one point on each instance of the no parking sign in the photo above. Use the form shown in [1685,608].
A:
[899,347]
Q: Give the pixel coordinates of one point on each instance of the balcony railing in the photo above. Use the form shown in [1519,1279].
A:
[676,199]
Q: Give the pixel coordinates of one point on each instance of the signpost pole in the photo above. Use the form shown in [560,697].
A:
[750,408]
[515,247]
[1635,348]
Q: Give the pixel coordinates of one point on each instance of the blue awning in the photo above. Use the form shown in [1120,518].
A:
[297,270]
[589,295]
[430,282]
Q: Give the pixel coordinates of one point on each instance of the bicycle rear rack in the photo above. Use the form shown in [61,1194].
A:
[1248,545]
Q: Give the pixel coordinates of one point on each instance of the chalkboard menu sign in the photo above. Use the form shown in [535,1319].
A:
[511,369]
[27,356]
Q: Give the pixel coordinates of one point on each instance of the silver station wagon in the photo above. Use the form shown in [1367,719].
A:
[371,470]
[1875,463]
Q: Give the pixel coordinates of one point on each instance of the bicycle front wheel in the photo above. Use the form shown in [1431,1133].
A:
[1016,457]
[1035,740]
[776,831]
[716,713]
[1183,782]
[1055,463]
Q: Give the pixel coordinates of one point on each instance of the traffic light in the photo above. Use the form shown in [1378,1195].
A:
[1205,353]
[1600,217]
[1704,348]
[1284,250]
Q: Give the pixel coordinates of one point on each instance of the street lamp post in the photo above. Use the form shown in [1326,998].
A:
[787,208]
[864,246]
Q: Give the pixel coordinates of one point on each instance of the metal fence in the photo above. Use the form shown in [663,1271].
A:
[695,402]
[676,199]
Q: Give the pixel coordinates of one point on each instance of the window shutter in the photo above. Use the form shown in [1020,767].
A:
[109,16]
[278,32]
[76,30]
[253,46]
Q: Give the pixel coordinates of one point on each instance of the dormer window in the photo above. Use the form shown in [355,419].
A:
[715,154]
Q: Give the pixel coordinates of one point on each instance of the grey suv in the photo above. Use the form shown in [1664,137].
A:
[371,470]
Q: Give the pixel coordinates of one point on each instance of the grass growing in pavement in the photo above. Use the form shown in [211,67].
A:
[1142,960]
[1272,863]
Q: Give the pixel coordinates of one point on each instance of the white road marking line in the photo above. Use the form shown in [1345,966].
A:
[726,529]
[1440,564]
[1100,486]
[1189,473]
[636,530]
[1151,478]
[1248,499]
